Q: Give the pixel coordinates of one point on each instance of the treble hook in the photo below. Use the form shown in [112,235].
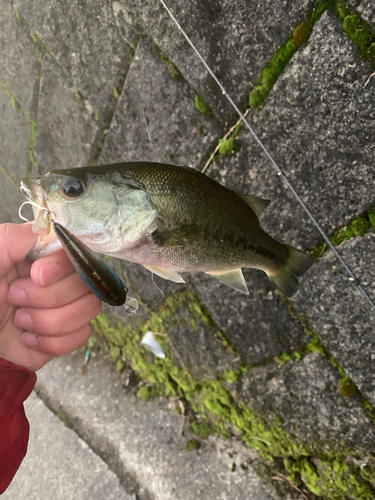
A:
[48,215]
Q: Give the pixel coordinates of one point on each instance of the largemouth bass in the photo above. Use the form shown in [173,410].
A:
[169,219]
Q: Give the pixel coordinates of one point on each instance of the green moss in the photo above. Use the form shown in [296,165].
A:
[283,55]
[347,387]
[302,33]
[192,445]
[357,227]
[227,146]
[202,106]
[202,429]
[78,95]
[271,72]
[359,31]
[173,71]
[144,393]
[117,92]
[9,178]
[233,376]
[133,48]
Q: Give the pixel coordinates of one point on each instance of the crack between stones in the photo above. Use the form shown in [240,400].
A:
[100,138]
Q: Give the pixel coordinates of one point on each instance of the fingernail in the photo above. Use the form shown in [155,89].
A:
[30,339]
[17,296]
[48,272]
[23,319]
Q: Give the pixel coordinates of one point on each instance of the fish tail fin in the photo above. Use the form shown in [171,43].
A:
[286,276]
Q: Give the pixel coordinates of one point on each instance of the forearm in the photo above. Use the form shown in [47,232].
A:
[16,384]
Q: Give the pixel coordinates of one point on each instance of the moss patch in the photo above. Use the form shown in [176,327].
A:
[173,70]
[347,387]
[202,106]
[357,227]
[192,445]
[282,56]
[144,393]
[358,30]
[228,145]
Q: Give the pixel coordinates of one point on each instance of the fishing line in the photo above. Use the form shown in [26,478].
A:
[280,172]
[162,295]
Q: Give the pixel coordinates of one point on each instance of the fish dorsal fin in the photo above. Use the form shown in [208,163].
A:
[257,205]
[167,274]
[233,279]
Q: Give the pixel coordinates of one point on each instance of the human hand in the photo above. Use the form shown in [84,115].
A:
[45,307]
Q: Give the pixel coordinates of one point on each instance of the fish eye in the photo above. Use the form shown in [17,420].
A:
[72,187]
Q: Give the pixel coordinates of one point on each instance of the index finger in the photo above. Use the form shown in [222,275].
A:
[15,242]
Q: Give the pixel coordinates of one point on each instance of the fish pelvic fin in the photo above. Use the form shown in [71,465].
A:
[286,276]
[257,205]
[167,274]
[233,279]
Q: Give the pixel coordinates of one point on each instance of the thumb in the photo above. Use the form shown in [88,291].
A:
[15,242]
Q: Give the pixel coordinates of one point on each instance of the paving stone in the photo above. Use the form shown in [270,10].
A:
[306,396]
[318,123]
[141,439]
[156,118]
[236,38]
[339,314]
[90,40]
[259,325]
[14,158]
[19,63]
[366,9]
[66,126]
[196,344]
[59,464]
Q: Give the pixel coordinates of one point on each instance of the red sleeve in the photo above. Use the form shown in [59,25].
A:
[16,384]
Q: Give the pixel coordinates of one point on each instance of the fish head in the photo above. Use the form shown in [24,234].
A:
[108,212]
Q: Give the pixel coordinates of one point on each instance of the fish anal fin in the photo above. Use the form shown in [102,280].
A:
[233,279]
[167,274]
[257,205]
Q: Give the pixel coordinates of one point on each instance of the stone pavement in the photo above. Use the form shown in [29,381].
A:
[294,378]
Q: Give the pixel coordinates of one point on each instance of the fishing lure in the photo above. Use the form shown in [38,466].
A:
[94,271]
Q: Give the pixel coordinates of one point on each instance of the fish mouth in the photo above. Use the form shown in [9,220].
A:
[33,191]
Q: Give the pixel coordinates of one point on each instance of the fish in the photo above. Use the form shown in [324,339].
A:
[92,269]
[170,219]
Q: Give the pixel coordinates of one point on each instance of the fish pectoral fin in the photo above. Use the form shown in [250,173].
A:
[167,274]
[257,205]
[233,279]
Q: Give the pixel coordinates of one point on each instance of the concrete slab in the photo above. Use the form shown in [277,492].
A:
[90,41]
[66,126]
[19,59]
[59,464]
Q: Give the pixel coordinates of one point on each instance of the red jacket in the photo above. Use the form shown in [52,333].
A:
[16,384]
